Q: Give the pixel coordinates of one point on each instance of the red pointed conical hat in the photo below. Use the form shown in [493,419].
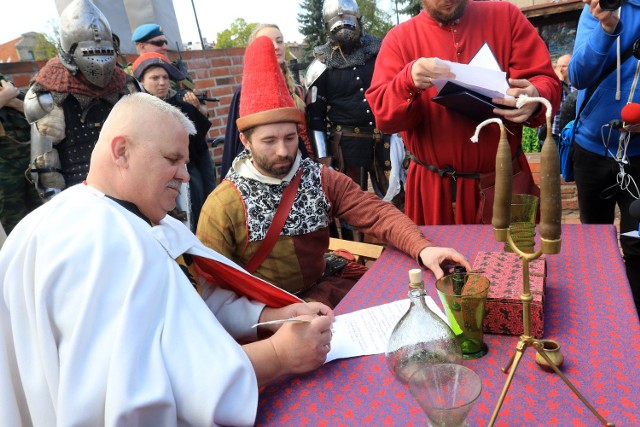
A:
[264,98]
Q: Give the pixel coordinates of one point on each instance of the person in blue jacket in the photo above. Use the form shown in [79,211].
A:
[606,164]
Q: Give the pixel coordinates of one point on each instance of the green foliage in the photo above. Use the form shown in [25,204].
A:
[530,141]
[311,26]
[46,46]
[235,36]
[44,49]
[412,8]
[374,20]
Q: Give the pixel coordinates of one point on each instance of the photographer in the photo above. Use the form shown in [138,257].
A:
[606,176]
[151,38]
[154,72]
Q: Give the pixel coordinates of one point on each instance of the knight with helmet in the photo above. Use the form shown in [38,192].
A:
[70,98]
[340,121]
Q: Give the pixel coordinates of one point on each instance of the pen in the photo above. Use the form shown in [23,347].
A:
[281,321]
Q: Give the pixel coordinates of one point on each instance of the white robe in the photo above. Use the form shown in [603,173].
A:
[100,326]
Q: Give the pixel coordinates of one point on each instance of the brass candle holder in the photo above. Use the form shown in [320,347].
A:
[550,229]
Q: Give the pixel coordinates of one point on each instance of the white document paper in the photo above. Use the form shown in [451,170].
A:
[482,75]
[484,58]
[367,331]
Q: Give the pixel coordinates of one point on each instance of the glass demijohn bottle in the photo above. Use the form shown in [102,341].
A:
[420,337]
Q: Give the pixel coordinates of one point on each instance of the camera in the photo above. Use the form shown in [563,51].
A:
[610,5]
[202,97]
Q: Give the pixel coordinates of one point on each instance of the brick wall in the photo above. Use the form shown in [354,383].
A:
[217,71]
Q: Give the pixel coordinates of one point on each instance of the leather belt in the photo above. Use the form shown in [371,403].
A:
[365,130]
[446,171]
[362,132]
[450,172]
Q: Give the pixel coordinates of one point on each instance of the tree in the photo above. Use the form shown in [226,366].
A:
[43,48]
[46,46]
[374,20]
[311,26]
[412,8]
[235,36]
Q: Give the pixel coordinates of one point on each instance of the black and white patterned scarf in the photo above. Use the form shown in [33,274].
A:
[310,211]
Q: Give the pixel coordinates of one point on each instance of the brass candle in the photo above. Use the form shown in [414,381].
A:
[550,200]
[504,173]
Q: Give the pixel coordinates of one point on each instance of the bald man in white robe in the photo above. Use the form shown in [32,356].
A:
[99,325]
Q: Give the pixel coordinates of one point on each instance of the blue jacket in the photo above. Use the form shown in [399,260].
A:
[594,51]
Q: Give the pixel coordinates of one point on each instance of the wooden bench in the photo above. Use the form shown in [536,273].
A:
[362,251]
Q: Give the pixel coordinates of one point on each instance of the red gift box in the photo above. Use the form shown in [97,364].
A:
[503,310]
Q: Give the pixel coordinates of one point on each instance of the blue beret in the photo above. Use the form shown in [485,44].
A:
[146,32]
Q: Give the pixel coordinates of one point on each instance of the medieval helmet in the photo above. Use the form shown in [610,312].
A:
[342,21]
[86,43]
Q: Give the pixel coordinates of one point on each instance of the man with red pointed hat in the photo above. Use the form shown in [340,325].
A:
[272,212]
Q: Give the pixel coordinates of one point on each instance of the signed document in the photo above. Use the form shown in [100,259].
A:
[367,331]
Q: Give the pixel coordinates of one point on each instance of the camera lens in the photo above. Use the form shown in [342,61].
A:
[610,5]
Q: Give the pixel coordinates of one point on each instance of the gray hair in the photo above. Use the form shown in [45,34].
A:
[141,100]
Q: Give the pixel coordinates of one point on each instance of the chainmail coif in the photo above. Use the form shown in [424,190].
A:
[332,56]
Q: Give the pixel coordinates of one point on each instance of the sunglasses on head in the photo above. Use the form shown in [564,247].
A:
[158,43]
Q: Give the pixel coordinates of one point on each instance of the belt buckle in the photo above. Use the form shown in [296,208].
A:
[449,171]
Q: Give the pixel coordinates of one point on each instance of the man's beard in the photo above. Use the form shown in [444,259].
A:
[267,166]
[444,18]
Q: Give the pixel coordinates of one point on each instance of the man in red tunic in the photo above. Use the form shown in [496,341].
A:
[446,163]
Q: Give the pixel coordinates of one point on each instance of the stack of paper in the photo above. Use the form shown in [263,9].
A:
[475,84]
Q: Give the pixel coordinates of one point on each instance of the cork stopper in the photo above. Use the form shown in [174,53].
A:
[415,279]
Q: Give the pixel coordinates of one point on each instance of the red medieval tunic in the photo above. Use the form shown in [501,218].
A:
[441,137]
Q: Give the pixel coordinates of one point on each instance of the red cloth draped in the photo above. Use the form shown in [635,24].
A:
[242,283]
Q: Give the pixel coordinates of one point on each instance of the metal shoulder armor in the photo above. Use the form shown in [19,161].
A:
[45,165]
[314,70]
[37,106]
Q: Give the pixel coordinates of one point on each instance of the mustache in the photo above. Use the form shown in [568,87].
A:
[174,183]
[285,159]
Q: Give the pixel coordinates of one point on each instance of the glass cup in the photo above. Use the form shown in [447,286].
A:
[446,393]
[524,208]
[465,310]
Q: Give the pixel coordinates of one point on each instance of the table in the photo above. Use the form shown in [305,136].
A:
[588,310]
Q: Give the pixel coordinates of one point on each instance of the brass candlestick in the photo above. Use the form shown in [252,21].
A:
[550,229]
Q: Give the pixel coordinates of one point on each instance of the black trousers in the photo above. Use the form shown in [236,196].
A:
[598,195]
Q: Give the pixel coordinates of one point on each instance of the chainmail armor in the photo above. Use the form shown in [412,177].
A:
[331,55]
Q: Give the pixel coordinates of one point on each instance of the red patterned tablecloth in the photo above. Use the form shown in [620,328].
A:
[588,310]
